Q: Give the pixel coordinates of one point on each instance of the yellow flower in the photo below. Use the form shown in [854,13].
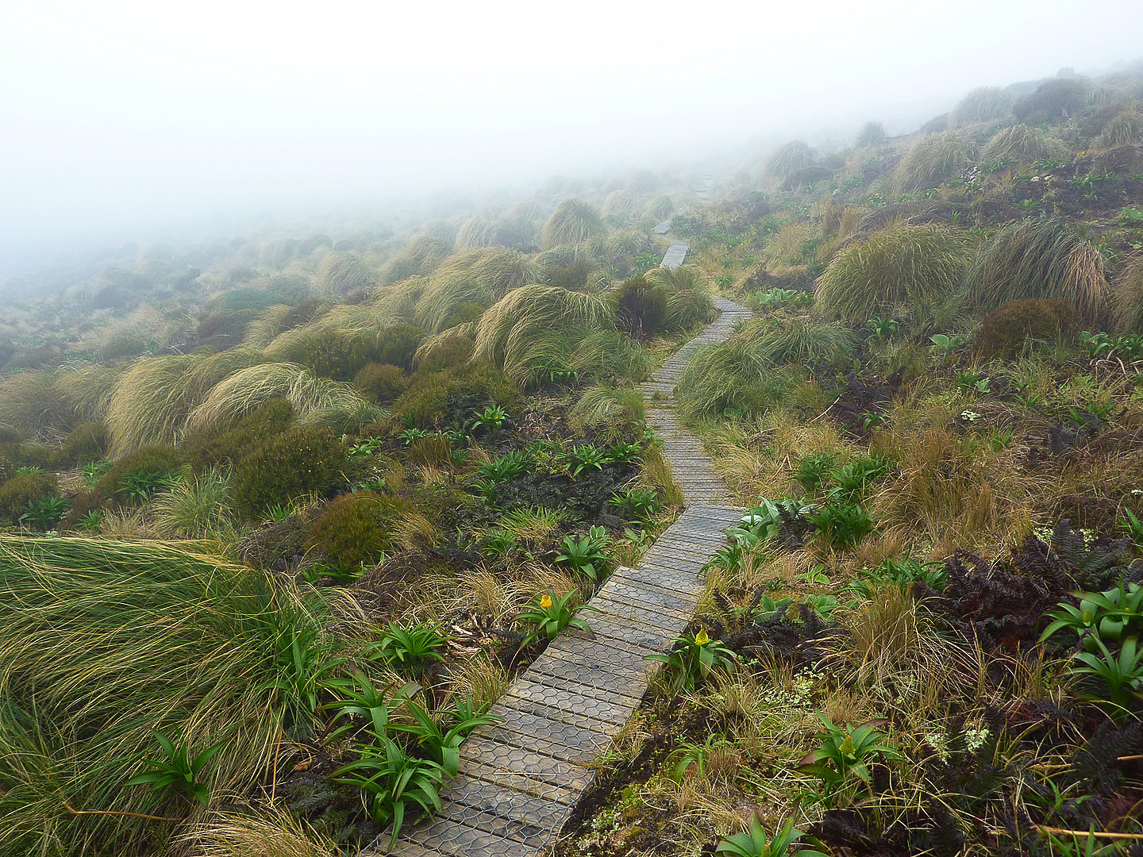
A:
[701,638]
[546,602]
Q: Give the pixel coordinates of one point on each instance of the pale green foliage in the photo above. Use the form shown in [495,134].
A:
[931,160]
[313,398]
[196,508]
[474,232]
[573,222]
[270,833]
[980,105]
[1127,297]
[1125,129]
[1037,259]
[508,330]
[788,159]
[32,403]
[1021,144]
[911,266]
[341,273]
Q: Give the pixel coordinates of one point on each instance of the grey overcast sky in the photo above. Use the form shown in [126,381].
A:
[115,116]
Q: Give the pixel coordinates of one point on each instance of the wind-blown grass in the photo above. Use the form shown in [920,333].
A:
[1021,145]
[150,404]
[797,340]
[1037,259]
[88,389]
[1127,297]
[507,330]
[981,105]
[475,232]
[734,374]
[619,205]
[496,268]
[341,273]
[788,159]
[931,160]
[606,404]
[198,508]
[270,833]
[445,296]
[912,266]
[573,222]
[32,403]
[1125,129]
[421,256]
[102,642]
[688,301]
[313,399]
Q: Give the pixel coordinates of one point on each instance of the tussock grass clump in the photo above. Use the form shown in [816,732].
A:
[797,340]
[272,833]
[339,353]
[732,375]
[606,404]
[102,642]
[297,462]
[342,273]
[197,508]
[419,257]
[279,318]
[640,307]
[475,232]
[88,389]
[498,269]
[311,397]
[1021,145]
[689,303]
[507,328]
[1127,297]
[931,160]
[32,403]
[788,159]
[619,205]
[449,300]
[1005,331]
[981,105]
[150,404]
[1125,129]
[1037,259]
[911,266]
[573,222]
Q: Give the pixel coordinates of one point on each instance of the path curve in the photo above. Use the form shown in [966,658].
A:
[518,780]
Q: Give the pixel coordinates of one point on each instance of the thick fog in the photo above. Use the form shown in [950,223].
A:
[123,117]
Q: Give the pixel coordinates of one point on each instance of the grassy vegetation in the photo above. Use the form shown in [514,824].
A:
[248,491]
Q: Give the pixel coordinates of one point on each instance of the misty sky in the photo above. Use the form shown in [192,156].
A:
[120,116]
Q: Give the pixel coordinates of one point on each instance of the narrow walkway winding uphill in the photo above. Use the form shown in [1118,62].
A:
[519,779]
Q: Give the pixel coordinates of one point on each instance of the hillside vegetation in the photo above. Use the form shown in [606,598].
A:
[281,517]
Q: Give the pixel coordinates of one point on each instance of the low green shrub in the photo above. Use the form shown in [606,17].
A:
[143,470]
[381,381]
[85,442]
[449,397]
[288,465]
[1052,100]
[24,488]
[1004,331]
[640,307]
[216,445]
[355,529]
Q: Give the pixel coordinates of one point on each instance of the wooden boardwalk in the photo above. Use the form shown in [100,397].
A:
[675,255]
[519,779]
